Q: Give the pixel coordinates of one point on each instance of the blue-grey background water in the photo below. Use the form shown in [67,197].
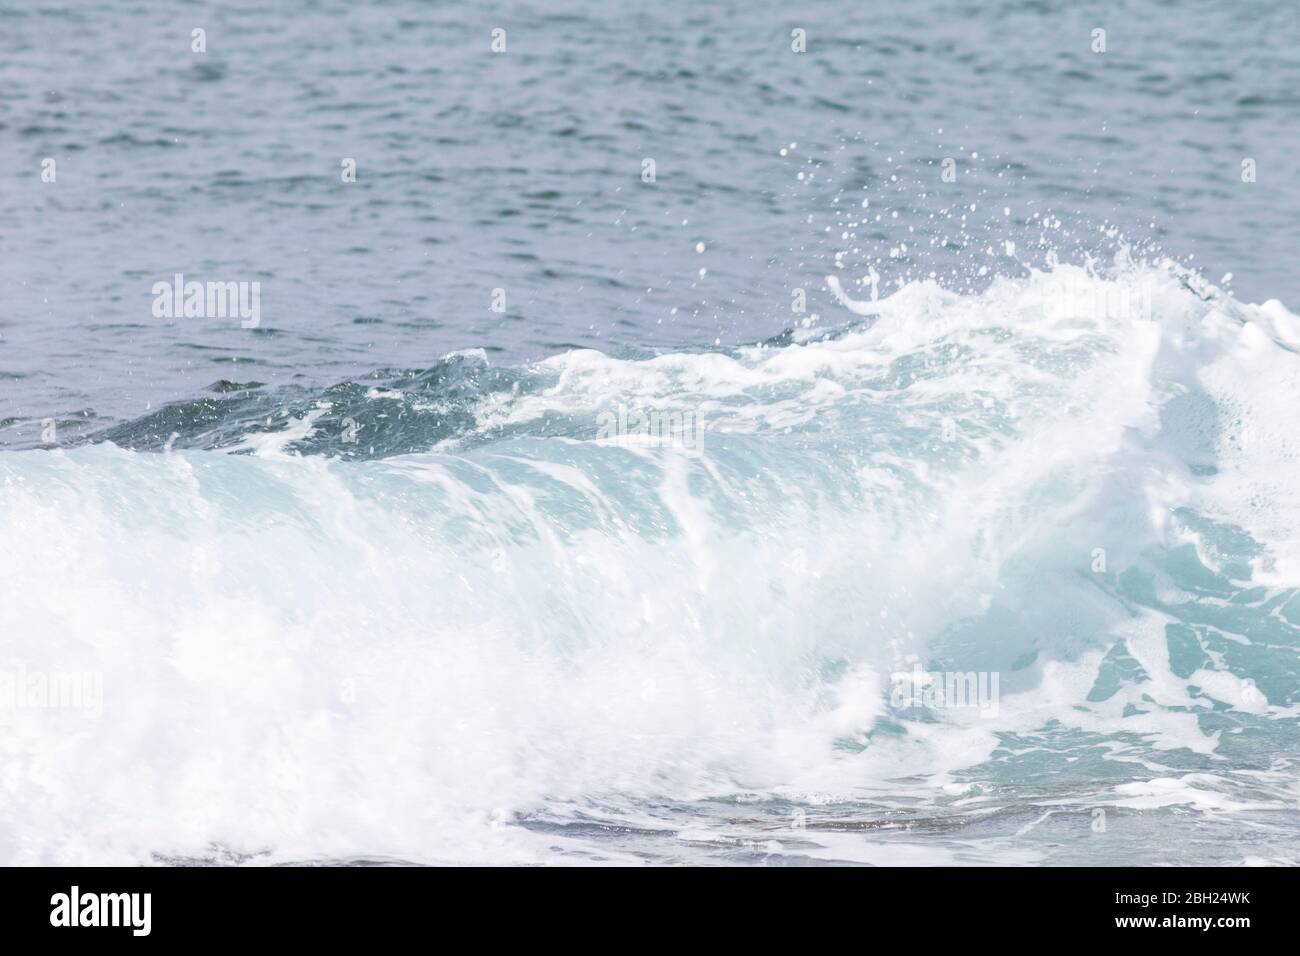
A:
[522,171]
[634,652]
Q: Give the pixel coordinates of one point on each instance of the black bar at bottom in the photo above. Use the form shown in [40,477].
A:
[341,906]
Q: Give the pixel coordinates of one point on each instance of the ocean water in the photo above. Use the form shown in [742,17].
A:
[905,475]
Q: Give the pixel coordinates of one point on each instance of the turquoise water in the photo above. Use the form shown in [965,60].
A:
[709,548]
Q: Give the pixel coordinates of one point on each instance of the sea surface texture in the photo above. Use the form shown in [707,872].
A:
[686,433]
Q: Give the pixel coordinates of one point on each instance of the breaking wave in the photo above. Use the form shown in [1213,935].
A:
[657,605]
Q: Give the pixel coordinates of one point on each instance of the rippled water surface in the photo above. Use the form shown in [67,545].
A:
[522,171]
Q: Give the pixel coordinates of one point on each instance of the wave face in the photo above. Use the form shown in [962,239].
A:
[661,606]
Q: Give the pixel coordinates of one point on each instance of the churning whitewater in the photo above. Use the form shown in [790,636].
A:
[967,579]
